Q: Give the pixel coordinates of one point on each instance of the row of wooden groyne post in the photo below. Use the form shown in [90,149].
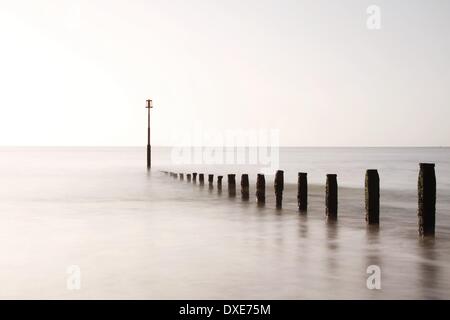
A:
[426,193]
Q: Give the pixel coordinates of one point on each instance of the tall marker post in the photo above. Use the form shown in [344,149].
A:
[149,147]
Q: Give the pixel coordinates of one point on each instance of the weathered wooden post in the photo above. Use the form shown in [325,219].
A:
[219,183]
[201,179]
[372,195]
[302,193]
[260,189]
[331,197]
[427,199]
[232,185]
[188,177]
[194,177]
[245,188]
[210,180]
[181,176]
[279,186]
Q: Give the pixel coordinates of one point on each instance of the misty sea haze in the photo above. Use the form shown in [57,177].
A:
[144,235]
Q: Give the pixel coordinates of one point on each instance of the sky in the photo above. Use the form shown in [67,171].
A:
[78,72]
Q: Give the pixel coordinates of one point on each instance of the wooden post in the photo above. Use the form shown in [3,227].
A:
[175,175]
[279,186]
[260,189]
[194,177]
[188,177]
[331,197]
[372,195]
[232,185]
[427,199]
[302,193]
[201,178]
[181,176]
[219,183]
[210,181]
[245,188]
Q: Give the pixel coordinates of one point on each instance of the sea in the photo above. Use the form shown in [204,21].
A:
[94,223]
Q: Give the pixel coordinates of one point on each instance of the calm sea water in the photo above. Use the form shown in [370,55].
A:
[136,234]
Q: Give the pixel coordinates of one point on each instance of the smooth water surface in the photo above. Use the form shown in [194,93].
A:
[142,235]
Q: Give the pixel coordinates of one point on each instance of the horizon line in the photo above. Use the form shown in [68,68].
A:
[203,146]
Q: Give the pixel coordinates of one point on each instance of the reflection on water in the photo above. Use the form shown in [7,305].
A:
[374,256]
[429,270]
[303,226]
[138,234]
[332,244]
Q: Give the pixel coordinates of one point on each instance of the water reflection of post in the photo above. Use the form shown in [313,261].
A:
[303,226]
[372,253]
[333,246]
[429,270]
[332,234]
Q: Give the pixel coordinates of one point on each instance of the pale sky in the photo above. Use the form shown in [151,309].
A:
[78,72]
